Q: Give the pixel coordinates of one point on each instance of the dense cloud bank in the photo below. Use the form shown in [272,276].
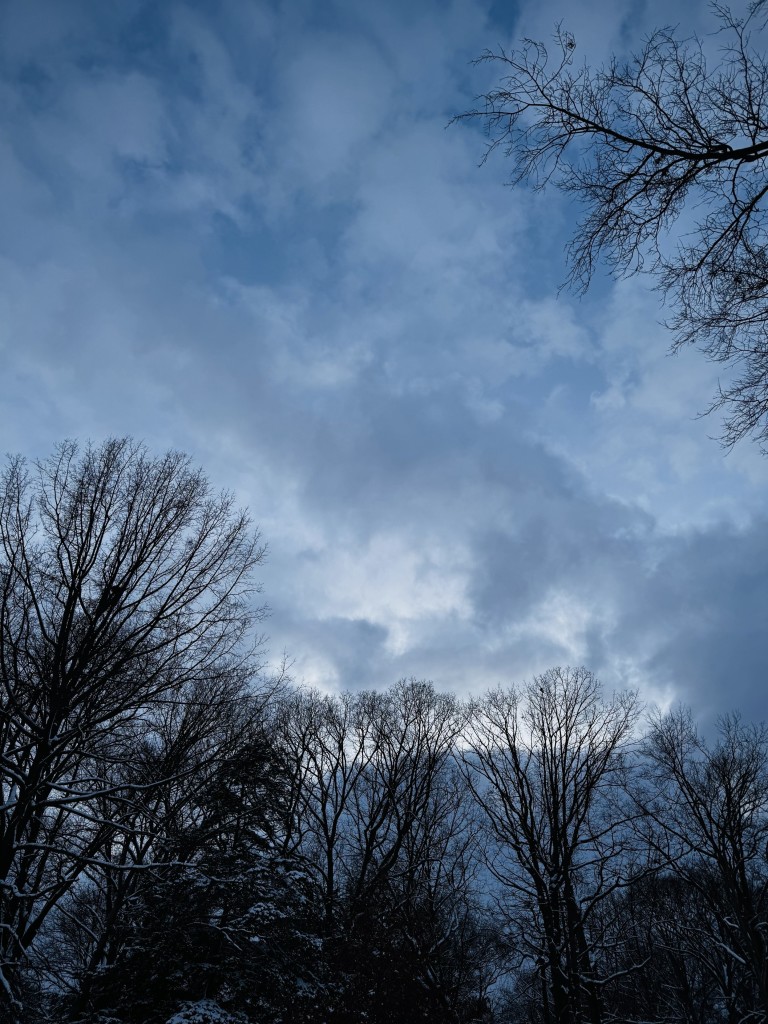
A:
[246,233]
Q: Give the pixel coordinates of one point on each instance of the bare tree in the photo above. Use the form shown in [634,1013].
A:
[383,824]
[547,766]
[327,743]
[124,583]
[181,816]
[642,144]
[438,903]
[711,811]
[414,736]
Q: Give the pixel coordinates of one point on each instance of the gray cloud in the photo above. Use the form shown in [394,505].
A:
[246,233]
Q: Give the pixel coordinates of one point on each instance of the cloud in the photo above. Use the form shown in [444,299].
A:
[246,232]
[696,623]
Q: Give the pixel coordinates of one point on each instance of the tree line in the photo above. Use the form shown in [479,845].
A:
[185,838]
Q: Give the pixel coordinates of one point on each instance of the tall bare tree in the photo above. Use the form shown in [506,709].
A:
[547,765]
[647,142]
[124,583]
[711,811]
[383,823]
[327,743]
[670,940]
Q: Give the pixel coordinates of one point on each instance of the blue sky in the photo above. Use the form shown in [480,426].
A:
[243,229]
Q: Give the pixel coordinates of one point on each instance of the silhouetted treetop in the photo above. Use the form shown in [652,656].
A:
[658,142]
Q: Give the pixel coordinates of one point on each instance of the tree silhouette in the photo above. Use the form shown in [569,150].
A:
[648,144]
[124,585]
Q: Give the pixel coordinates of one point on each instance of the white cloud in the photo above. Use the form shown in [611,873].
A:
[306,281]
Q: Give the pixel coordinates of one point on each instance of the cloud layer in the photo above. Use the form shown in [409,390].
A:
[245,231]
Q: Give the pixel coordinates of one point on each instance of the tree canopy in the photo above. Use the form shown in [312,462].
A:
[186,841]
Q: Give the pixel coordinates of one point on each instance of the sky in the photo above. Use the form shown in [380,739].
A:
[246,230]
